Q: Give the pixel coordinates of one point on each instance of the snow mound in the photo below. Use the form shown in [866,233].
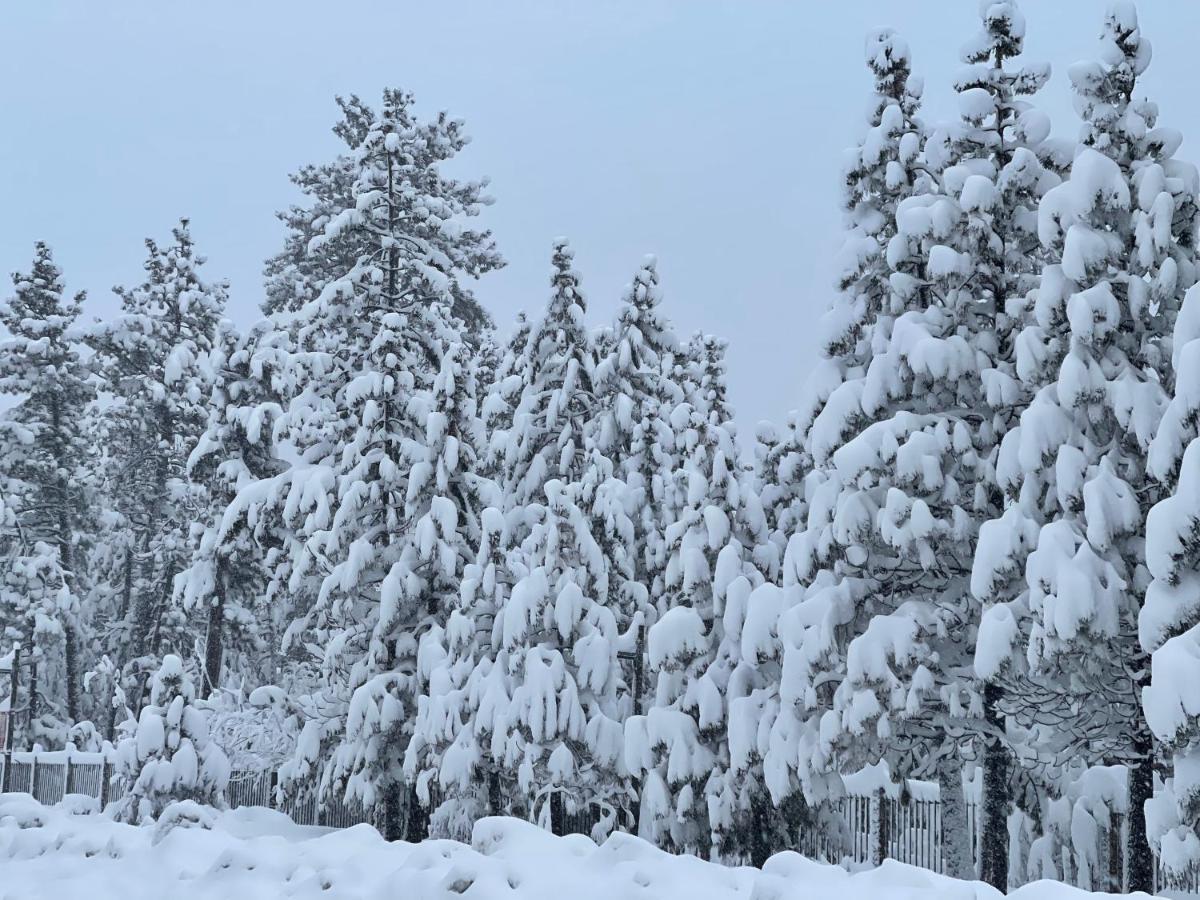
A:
[258,854]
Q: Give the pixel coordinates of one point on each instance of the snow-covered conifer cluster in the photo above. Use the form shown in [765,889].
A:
[539,571]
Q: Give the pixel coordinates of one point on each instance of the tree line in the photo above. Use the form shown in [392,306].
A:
[517,574]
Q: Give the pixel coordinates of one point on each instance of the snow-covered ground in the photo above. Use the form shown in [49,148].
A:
[258,854]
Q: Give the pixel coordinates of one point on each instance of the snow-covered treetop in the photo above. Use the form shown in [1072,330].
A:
[1114,121]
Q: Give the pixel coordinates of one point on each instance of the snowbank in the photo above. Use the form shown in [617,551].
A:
[257,854]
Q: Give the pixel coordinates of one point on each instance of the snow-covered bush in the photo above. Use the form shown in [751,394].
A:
[170,755]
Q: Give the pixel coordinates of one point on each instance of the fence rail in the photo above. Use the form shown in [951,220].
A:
[873,828]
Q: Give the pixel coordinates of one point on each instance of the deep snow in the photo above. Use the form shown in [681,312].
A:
[257,854]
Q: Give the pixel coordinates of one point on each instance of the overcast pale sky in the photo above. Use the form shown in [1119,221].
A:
[708,133]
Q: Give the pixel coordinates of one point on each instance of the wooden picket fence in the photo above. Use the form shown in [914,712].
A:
[51,776]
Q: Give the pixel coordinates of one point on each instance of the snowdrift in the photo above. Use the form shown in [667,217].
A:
[67,852]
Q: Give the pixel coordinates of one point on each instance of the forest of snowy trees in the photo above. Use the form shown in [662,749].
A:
[476,568]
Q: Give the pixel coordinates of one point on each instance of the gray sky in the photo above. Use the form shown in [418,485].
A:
[708,133]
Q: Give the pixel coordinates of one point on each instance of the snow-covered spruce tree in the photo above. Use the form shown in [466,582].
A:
[170,755]
[151,357]
[678,748]
[1169,622]
[300,272]
[373,530]
[1098,355]
[47,461]
[232,563]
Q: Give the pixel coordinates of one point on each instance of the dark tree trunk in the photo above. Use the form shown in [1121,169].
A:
[393,813]
[214,639]
[558,814]
[71,631]
[495,802]
[993,852]
[71,653]
[33,704]
[760,839]
[1138,856]
[417,820]
[639,689]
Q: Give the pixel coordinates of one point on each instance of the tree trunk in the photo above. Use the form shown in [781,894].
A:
[32,704]
[417,820]
[214,639]
[393,814]
[71,653]
[957,859]
[993,816]
[70,627]
[760,840]
[558,814]
[495,802]
[1139,859]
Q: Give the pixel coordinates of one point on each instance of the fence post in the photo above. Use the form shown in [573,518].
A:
[10,722]
[33,777]
[105,786]
[884,836]
[875,829]
[67,776]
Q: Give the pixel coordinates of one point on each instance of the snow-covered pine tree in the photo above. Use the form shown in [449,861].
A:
[636,394]
[151,357]
[891,425]
[459,740]
[1169,621]
[233,555]
[997,162]
[444,503]
[563,735]
[503,393]
[1097,352]
[679,748]
[47,461]
[554,416]
[562,499]
[904,450]
[881,171]
[35,601]
[780,467]
[313,256]
[702,378]
[363,504]
[170,756]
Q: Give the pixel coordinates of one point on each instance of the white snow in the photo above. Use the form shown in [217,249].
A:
[257,854]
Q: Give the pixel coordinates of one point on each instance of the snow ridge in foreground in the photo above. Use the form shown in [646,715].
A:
[258,854]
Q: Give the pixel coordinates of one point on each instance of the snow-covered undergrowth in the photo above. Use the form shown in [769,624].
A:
[256,854]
